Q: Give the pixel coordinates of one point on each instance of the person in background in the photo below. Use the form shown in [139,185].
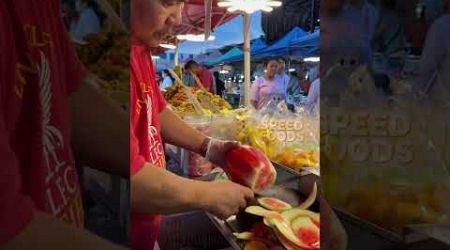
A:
[434,72]
[370,17]
[90,19]
[283,79]
[220,85]
[417,31]
[389,39]
[313,101]
[154,190]
[69,14]
[167,80]
[204,75]
[266,87]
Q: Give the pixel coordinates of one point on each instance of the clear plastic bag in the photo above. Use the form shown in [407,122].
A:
[378,159]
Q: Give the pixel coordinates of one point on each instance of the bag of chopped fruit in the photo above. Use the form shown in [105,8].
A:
[376,145]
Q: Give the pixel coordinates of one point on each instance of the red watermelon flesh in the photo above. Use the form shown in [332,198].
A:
[250,167]
[273,204]
[306,231]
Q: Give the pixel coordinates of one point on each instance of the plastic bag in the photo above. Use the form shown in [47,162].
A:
[194,165]
[379,162]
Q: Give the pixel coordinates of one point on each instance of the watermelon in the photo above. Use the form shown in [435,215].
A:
[250,167]
[274,204]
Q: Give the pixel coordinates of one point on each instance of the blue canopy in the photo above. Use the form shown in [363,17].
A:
[281,47]
[307,46]
[231,53]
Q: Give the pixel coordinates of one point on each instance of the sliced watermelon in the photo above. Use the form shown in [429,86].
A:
[274,204]
[311,198]
[306,231]
[293,213]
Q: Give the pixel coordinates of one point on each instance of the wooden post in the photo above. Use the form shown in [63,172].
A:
[246,59]
[175,56]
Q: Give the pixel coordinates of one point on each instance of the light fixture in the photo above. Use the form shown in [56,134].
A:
[195,38]
[291,70]
[249,6]
[155,57]
[224,71]
[167,46]
[312,59]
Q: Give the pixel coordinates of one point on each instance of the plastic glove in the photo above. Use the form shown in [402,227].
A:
[217,149]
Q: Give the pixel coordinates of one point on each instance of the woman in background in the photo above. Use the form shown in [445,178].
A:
[167,80]
[266,87]
[90,20]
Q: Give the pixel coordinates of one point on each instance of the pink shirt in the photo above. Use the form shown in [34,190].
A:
[38,71]
[206,77]
[262,90]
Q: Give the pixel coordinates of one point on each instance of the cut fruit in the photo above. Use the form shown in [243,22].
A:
[311,198]
[306,231]
[250,167]
[293,213]
[285,242]
[244,235]
[257,210]
[255,245]
[286,230]
[274,204]
[267,222]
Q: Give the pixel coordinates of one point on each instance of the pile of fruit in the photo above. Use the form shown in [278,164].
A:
[298,159]
[107,55]
[278,225]
[179,101]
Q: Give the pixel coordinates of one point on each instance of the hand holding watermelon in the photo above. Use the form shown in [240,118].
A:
[250,167]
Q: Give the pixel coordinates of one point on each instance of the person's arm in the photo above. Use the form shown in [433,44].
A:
[21,226]
[157,191]
[254,93]
[47,232]
[100,130]
[175,131]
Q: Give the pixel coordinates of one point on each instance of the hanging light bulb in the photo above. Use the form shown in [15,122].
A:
[249,6]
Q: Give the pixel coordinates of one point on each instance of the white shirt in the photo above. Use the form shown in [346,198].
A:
[167,82]
[283,80]
[313,100]
[88,23]
[434,75]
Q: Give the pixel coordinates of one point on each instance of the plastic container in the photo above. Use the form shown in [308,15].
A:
[194,165]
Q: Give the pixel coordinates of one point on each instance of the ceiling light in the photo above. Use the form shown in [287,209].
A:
[167,46]
[195,38]
[249,6]
[312,59]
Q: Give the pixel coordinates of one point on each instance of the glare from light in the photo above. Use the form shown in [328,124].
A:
[155,57]
[224,72]
[249,6]
[195,38]
[312,59]
[167,46]
[291,70]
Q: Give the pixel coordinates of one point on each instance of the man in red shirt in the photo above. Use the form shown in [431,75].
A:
[153,189]
[39,186]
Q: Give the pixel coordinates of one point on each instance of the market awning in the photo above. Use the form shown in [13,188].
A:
[281,47]
[231,53]
[307,46]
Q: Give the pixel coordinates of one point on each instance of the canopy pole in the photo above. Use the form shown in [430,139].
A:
[312,15]
[246,59]
[177,52]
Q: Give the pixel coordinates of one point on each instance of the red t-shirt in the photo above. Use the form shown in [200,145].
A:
[38,70]
[145,137]
[206,77]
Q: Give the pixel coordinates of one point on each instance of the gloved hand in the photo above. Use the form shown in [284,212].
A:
[216,150]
